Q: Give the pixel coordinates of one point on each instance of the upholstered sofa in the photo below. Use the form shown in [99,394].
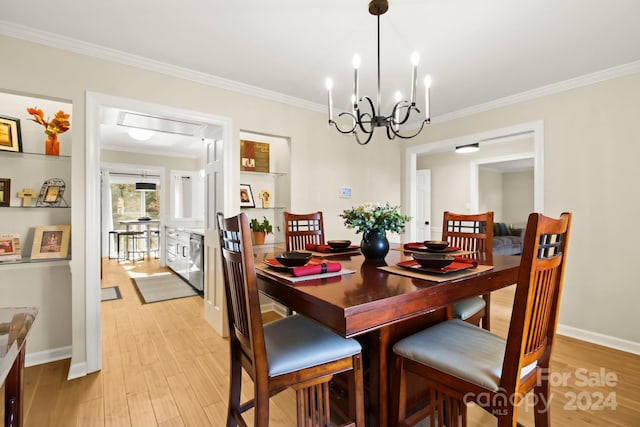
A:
[507,240]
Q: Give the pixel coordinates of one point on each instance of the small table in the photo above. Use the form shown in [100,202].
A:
[15,324]
[142,224]
[379,308]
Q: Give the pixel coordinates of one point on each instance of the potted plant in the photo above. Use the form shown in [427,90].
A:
[373,220]
[260,229]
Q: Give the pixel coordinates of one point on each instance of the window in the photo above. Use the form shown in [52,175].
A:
[127,203]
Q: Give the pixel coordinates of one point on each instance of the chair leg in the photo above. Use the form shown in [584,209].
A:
[486,320]
[541,395]
[235,384]
[356,389]
[398,411]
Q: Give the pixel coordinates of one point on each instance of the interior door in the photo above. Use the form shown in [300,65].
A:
[423,208]
[214,300]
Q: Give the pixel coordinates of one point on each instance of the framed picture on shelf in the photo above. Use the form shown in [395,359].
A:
[10,137]
[51,193]
[51,242]
[5,191]
[9,247]
[246,197]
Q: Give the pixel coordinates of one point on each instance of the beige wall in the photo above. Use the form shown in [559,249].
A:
[517,203]
[591,152]
[372,171]
[451,176]
[490,194]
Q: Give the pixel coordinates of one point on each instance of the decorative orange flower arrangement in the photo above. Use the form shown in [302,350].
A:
[59,124]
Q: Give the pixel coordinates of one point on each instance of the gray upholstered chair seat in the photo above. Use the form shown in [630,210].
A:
[459,349]
[468,307]
[295,342]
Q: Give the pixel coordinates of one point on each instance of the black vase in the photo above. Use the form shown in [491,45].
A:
[374,245]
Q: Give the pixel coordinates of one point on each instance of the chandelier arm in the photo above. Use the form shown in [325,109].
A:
[371,115]
[338,127]
[408,136]
[365,142]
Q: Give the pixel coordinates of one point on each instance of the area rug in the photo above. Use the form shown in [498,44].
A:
[109,294]
[162,287]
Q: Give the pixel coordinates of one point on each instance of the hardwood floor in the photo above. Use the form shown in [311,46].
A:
[163,365]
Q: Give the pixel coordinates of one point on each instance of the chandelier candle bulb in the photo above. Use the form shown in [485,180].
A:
[427,87]
[396,119]
[356,65]
[330,101]
[415,59]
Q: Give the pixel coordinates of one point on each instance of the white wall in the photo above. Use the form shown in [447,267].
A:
[372,171]
[590,169]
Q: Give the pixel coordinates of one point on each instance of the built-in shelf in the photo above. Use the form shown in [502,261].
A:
[25,261]
[36,207]
[26,154]
[274,174]
[260,208]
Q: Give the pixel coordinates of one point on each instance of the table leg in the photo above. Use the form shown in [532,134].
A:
[14,392]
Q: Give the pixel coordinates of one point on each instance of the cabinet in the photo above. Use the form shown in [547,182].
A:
[29,169]
[177,245]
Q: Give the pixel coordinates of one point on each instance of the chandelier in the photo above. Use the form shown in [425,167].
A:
[363,123]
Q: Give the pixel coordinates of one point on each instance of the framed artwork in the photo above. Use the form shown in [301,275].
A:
[9,247]
[246,197]
[254,156]
[51,193]
[5,191]
[51,242]
[10,137]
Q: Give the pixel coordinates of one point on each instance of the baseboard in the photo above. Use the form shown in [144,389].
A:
[32,359]
[274,306]
[77,370]
[600,339]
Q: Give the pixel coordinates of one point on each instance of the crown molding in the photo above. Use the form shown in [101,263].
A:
[562,86]
[89,49]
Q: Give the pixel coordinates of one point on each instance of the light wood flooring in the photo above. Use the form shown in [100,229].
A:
[163,365]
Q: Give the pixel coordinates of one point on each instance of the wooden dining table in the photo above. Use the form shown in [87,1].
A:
[378,308]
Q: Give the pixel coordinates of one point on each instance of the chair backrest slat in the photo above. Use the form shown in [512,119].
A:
[301,229]
[241,289]
[469,232]
[535,309]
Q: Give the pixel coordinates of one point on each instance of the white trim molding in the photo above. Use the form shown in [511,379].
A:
[599,339]
[89,49]
[46,356]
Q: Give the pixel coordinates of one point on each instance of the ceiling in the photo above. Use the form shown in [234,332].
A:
[476,51]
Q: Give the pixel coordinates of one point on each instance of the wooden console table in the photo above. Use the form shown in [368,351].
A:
[15,323]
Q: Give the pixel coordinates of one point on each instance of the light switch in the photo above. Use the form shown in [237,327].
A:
[345,192]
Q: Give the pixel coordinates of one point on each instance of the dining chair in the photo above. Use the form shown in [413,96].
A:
[471,232]
[291,352]
[462,363]
[300,229]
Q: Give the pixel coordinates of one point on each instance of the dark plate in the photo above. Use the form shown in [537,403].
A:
[451,268]
[347,249]
[339,244]
[432,260]
[275,265]
[294,259]
[436,245]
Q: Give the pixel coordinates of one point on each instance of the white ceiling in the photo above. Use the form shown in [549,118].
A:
[476,51]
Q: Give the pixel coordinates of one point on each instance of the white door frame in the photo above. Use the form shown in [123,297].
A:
[506,134]
[94,103]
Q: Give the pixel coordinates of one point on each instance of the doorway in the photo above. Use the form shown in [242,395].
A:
[532,130]
[95,106]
